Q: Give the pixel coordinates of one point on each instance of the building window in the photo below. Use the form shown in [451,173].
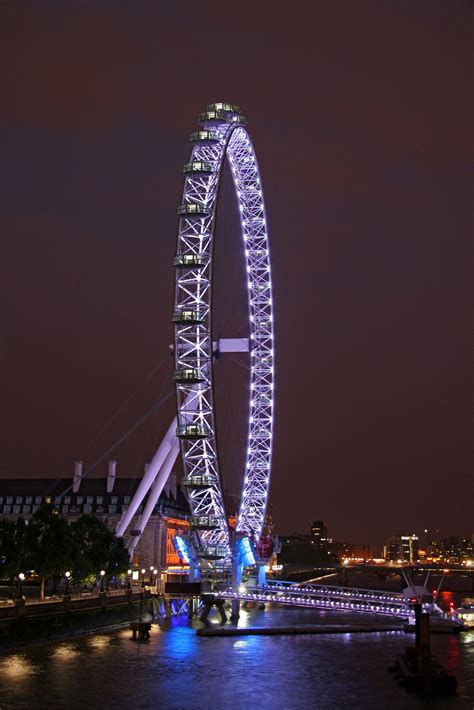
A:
[28,500]
[38,500]
[87,508]
[112,508]
[100,500]
[6,508]
[67,500]
[19,499]
[26,508]
[9,500]
[172,557]
[79,500]
[114,500]
[35,508]
[90,499]
[16,508]
[57,499]
[65,509]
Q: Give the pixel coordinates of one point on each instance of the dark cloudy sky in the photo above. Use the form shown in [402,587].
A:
[360,112]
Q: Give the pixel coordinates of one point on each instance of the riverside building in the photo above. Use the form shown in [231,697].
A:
[107,499]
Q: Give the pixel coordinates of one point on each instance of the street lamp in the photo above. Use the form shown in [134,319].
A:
[143,577]
[102,581]
[129,575]
[21,579]
[151,573]
[155,573]
[68,577]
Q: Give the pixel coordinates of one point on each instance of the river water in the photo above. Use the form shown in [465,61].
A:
[178,670]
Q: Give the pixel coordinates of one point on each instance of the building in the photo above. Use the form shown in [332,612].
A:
[107,499]
[452,550]
[392,550]
[349,552]
[319,534]
[410,544]
[402,548]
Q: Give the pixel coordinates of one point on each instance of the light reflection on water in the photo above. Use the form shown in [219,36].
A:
[177,670]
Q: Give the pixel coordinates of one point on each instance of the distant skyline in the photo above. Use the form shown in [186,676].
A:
[361,118]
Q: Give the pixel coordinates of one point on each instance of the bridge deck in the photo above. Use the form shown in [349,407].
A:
[322,596]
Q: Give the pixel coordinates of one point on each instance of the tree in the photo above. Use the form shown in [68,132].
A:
[47,545]
[11,547]
[96,548]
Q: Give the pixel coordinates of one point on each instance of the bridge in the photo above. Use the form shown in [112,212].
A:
[321,596]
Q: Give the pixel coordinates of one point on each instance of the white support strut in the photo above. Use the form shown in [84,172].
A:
[149,478]
[155,492]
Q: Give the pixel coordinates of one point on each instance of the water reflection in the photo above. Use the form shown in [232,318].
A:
[16,668]
[65,653]
[240,644]
[178,669]
[99,642]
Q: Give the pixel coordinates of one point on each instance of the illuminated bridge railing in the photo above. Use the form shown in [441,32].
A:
[366,594]
[323,597]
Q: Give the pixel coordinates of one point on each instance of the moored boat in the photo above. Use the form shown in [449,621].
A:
[465,613]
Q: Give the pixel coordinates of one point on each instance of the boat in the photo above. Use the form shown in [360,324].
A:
[465,613]
[439,624]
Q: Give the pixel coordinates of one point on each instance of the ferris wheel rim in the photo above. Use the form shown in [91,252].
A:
[193,331]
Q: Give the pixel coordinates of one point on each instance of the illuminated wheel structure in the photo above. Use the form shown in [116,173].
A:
[223,136]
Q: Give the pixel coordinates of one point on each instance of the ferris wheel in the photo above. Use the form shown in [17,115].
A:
[222,137]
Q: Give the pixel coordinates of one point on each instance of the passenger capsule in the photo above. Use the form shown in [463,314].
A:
[198,167]
[190,261]
[189,376]
[205,137]
[187,316]
[193,209]
[193,431]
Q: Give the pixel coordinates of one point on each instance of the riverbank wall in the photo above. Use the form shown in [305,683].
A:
[24,623]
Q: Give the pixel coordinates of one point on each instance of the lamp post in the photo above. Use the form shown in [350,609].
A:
[151,574]
[143,577]
[129,575]
[21,579]
[155,576]
[102,581]
[68,577]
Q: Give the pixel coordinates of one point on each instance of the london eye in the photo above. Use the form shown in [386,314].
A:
[222,137]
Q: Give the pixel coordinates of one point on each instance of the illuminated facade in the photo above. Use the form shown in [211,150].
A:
[403,548]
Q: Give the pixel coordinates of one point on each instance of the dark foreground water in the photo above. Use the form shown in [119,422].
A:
[178,670]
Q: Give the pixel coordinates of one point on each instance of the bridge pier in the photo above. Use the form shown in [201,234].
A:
[235,610]
[210,601]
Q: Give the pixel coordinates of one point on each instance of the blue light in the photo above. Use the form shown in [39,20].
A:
[245,552]
[181,547]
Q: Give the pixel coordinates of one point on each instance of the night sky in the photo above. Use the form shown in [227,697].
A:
[361,118]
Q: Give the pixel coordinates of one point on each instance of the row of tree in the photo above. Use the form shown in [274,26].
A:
[48,545]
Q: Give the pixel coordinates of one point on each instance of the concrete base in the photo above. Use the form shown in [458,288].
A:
[235,610]
[284,630]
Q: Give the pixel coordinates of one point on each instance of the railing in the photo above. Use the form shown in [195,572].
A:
[323,597]
[14,608]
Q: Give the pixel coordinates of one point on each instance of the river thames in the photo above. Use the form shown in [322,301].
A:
[177,670]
